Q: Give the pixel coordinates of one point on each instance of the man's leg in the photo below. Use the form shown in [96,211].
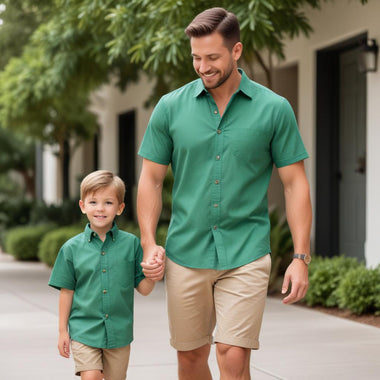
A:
[194,364]
[239,296]
[233,362]
[191,318]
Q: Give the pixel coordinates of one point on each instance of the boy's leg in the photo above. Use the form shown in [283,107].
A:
[88,361]
[115,363]
[91,375]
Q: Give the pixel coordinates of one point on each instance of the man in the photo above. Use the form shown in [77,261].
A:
[221,134]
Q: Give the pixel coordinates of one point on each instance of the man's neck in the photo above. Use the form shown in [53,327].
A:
[223,93]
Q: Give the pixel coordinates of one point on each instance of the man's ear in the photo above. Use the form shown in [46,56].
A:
[237,50]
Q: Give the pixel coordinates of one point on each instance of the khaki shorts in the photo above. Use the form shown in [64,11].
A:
[232,300]
[112,362]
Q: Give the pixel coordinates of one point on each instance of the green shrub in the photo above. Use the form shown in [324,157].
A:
[51,243]
[66,213]
[22,242]
[325,275]
[130,227]
[359,290]
[133,228]
[161,234]
[13,213]
[281,247]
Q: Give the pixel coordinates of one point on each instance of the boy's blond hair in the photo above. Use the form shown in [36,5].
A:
[100,179]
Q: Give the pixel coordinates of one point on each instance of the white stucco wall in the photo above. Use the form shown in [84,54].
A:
[336,22]
[108,103]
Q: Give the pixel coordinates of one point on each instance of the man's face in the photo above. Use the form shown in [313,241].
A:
[212,60]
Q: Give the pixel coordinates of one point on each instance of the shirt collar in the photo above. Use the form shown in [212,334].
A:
[90,234]
[244,86]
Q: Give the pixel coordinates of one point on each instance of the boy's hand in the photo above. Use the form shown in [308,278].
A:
[154,264]
[64,344]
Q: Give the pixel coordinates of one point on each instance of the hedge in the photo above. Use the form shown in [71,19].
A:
[325,275]
[51,243]
[345,283]
[22,242]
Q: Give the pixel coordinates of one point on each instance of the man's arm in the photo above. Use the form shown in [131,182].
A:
[299,216]
[65,302]
[149,206]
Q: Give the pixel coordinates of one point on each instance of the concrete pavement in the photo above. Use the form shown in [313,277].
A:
[296,343]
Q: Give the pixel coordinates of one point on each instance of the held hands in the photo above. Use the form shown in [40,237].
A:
[154,263]
[64,344]
[297,275]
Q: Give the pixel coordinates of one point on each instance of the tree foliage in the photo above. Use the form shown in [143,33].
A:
[70,47]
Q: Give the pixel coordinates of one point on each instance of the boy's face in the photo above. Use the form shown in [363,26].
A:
[101,208]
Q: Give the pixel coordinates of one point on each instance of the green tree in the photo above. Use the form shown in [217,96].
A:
[17,154]
[80,44]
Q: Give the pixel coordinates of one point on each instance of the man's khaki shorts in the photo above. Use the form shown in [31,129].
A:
[232,300]
[112,362]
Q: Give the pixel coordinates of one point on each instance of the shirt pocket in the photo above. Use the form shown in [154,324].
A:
[251,145]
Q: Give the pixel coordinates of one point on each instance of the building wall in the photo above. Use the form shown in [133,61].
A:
[336,22]
[108,103]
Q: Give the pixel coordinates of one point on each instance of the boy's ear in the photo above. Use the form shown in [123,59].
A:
[121,208]
[81,205]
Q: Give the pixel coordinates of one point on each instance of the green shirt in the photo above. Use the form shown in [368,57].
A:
[222,168]
[103,276]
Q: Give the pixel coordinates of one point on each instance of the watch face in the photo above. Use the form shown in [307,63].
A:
[307,259]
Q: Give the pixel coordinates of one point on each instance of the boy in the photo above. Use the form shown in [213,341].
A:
[96,273]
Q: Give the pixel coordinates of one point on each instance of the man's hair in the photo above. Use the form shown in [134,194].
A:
[100,179]
[216,20]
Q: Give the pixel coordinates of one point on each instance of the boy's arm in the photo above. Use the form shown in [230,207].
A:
[65,302]
[145,286]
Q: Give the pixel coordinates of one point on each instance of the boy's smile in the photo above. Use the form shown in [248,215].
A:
[101,208]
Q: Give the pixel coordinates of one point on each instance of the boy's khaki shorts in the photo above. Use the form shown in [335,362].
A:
[112,362]
[233,300]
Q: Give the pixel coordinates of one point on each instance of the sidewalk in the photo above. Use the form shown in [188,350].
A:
[296,343]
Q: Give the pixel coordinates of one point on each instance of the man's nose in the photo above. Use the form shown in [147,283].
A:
[204,66]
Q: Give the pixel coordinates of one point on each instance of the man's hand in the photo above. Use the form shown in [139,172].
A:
[154,263]
[297,275]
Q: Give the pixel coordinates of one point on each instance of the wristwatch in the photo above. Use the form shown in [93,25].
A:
[303,256]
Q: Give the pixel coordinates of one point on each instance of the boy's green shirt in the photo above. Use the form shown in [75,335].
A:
[103,276]
[222,167]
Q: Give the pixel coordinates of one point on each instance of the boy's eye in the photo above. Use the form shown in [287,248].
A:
[92,202]
[109,203]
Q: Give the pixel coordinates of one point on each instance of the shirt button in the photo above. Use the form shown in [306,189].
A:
[106,316]
[215,205]
[218,157]
[103,253]
[104,291]
[218,131]
[217,182]
[215,227]
[104,271]
[215,112]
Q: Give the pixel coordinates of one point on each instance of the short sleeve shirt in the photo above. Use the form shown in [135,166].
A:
[222,167]
[103,276]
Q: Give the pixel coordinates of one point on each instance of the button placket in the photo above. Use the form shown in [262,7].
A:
[104,262]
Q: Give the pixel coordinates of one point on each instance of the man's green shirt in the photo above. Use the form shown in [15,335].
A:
[103,276]
[222,168]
